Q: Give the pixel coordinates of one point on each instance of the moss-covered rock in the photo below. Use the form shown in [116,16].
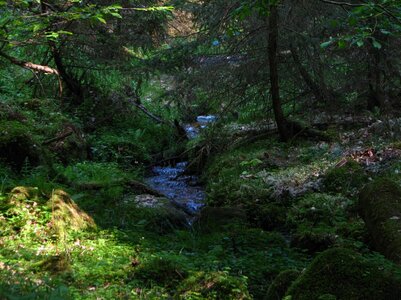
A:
[213,285]
[156,214]
[280,284]
[165,219]
[380,207]
[346,179]
[217,218]
[22,193]
[66,215]
[346,274]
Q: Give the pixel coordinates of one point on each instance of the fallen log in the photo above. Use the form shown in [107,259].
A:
[139,187]
[58,138]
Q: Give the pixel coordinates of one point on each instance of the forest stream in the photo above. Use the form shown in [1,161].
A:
[182,189]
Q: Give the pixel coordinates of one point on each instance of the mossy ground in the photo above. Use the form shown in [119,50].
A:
[133,262]
[78,234]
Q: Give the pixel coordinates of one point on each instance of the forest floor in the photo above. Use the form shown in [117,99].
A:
[271,208]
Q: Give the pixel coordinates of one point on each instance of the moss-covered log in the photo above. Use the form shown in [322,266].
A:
[380,207]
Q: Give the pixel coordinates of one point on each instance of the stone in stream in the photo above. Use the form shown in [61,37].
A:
[160,214]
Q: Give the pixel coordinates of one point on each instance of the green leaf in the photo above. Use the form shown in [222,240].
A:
[326,44]
[117,15]
[101,19]
[155,8]
[342,44]
[376,44]
[359,43]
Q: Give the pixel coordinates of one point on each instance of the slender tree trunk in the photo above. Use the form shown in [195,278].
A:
[377,77]
[319,88]
[274,80]
[312,85]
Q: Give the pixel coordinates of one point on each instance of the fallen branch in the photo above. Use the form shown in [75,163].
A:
[139,187]
[58,138]
[143,188]
[179,129]
[148,113]
[30,66]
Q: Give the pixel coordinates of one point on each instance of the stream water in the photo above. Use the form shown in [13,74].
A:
[171,181]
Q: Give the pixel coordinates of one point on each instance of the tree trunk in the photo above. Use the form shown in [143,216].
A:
[72,84]
[311,84]
[274,80]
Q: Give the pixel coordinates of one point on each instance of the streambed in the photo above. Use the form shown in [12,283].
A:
[182,189]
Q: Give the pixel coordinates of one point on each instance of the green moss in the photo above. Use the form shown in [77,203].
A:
[217,218]
[23,193]
[66,215]
[54,264]
[346,179]
[280,284]
[213,285]
[315,219]
[160,270]
[347,275]
[164,219]
[380,207]
[319,208]
[269,216]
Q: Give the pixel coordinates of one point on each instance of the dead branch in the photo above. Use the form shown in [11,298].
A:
[58,138]
[30,66]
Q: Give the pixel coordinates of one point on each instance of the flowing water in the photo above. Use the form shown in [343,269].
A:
[171,181]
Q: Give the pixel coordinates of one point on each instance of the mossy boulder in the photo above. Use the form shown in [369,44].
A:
[17,147]
[66,215]
[156,214]
[280,284]
[165,219]
[346,275]
[218,218]
[346,179]
[213,285]
[20,194]
[380,207]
